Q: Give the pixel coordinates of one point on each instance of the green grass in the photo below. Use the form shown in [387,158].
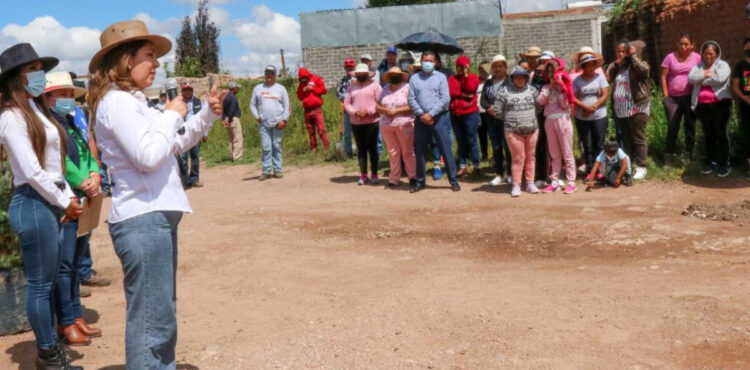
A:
[297,148]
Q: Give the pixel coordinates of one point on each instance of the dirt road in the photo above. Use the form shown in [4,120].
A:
[312,271]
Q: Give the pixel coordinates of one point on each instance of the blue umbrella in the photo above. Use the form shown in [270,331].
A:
[430,41]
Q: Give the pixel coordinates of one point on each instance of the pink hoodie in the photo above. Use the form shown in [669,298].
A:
[362,97]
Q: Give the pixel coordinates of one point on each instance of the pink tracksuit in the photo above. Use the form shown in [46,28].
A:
[559,130]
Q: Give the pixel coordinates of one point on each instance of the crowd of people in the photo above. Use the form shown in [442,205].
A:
[531,112]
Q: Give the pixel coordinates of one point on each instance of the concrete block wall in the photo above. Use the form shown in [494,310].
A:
[328,62]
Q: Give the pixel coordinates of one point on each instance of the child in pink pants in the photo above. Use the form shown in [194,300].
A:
[554,97]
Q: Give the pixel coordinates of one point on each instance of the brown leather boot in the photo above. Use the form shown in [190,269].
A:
[74,337]
[87,330]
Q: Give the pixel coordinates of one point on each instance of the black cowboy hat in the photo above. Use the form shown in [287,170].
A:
[20,55]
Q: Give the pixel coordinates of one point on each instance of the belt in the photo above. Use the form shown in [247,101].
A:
[59,184]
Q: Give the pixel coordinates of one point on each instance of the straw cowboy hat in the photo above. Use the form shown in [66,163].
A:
[586,58]
[20,55]
[123,32]
[362,68]
[576,57]
[396,71]
[533,53]
[63,80]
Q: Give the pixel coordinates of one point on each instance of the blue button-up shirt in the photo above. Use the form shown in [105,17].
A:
[428,93]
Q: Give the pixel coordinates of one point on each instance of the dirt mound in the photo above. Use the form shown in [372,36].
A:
[737,212]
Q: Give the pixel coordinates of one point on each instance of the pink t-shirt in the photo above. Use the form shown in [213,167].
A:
[396,99]
[706,95]
[677,78]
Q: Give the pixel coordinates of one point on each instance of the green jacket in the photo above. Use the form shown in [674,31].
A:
[79,163]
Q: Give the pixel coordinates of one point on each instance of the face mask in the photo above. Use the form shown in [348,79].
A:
[428,67]
[395,80]
[64,106]
[304,80]
[404,66]
[747,53]
[361,78]
[37,83]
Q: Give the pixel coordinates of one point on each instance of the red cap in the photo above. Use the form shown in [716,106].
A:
[349,62]
[463,60]
[187,86]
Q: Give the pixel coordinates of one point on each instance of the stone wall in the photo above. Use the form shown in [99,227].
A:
[328,62]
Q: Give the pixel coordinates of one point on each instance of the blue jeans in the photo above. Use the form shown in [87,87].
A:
[107,182]
[592,134]
[500,151]
[441,133]
[466,128]
[147,248]
[270,142]
[435,148]
[190,175]
[85,263]
[36,223]
[347,135]
[67,295]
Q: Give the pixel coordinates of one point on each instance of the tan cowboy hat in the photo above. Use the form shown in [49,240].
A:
[532,53]
[590,57]
[396,71]
[123,32]
[575,59]
[62,80]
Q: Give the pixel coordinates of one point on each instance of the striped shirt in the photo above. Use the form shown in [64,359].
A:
[623,102]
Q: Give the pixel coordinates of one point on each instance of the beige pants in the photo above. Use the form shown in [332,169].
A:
[234,133]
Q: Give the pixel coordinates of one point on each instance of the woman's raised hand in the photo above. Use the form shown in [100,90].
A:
[177,105]
[216,99]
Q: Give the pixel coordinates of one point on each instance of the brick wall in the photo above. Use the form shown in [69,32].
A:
[563,32]
[723,21]
[328,62]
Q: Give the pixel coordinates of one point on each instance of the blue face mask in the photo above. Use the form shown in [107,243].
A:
[64,106]
[37,83]
[405,66]
[428,67]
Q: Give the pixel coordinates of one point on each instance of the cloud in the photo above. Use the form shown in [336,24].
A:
[168,27]
[268,31]
[49,37]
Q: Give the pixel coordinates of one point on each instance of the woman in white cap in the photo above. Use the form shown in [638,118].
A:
[36,146]
[495,124]
[82,174]
[360,103]
[139,145]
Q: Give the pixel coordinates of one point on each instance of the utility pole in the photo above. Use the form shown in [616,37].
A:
[283,64]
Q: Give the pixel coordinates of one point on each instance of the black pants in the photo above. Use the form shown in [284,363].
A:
[542,157]
[634,139]
[677,109]
[715,123]
[744,120]
[483,135]
[592,135]
[366,137]
[500,151]
[611,175]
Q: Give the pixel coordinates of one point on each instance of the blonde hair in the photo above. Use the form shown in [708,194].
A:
[14,95]
[113,69]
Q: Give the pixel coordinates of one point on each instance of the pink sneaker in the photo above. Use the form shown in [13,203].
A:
[551,188]
[570,189]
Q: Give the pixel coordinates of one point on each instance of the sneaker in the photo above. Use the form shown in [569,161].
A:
[588,178]
[455,187]
[264,177]
[197,184]
[640,173]
[437,173]
[375,180]
[709,168]
[84,292]
[509,180]
[95,281]
[561,183]
[724,171]
[539,183]
[363,181]
[497,181]
[516,191]
[462,172]
[551,188]
[278,174]
[570,189]
[390,185]
[532,189]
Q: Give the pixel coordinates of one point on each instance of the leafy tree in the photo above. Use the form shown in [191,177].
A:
[381,3]
[197,51]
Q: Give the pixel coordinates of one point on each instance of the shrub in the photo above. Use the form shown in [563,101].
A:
[10,252]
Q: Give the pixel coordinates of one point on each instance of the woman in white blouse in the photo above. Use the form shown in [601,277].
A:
[36,148]
[139,146]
